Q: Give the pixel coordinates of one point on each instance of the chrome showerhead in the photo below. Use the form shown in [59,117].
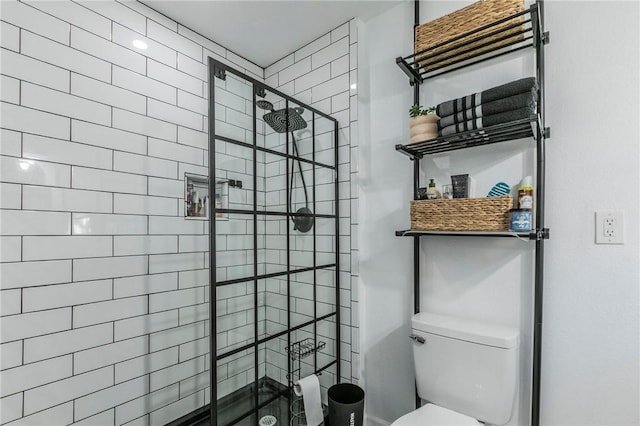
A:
[264,104]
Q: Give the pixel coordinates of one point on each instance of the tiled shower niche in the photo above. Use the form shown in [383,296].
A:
[276,282]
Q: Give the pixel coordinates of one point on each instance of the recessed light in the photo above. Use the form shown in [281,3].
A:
[139,44]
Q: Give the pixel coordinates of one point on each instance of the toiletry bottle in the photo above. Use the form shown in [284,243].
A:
[525,193]
[432,192]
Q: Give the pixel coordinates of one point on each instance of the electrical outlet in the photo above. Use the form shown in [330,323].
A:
[609,227]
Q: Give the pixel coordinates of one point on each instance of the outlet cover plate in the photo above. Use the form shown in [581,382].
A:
[609,227]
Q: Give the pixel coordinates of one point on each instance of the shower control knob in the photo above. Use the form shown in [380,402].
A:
[417,339]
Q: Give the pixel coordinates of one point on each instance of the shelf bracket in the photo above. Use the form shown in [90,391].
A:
[413,75]
[545,37]
[547,132]
[539,234]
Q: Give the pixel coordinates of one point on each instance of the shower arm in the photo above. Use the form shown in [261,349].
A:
[304,185]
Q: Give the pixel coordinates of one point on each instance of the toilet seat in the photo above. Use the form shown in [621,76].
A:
[433,415]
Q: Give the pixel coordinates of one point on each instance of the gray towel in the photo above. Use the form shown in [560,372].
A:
[522,100]
[488,120]
[471,101]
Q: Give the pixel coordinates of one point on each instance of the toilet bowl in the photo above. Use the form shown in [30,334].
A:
[433,415]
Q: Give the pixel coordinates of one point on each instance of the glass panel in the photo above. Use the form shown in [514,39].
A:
[234,316]
[301,196]
[325,241]
[236,384]
[272,183]
[301,298]
[325,292]
[326,331]
[233,108]
[272,248]
[234,176]
[234,247]
[326,190]
[302,353]
[301,247]
[273,304]
[301,120]
[324,140]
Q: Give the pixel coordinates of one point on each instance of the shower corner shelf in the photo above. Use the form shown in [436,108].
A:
[304,348]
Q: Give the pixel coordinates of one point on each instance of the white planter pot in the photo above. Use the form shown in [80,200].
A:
[423,127]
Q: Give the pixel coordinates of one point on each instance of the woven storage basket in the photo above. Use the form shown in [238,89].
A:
[461,214]
[462,21]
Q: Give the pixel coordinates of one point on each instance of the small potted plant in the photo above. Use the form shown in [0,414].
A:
[423,124]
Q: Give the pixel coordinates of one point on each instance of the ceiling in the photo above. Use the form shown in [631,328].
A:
[264,31]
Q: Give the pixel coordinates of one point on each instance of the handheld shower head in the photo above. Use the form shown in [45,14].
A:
[264,104]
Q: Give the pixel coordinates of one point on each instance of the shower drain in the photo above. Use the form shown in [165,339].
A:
[268,421]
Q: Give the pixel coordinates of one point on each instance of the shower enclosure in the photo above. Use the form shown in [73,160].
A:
[273,260]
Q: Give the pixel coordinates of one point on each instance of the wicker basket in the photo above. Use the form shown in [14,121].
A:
[461,214]
[462,21]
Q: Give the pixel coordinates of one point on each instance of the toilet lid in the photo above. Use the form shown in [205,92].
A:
[432,415]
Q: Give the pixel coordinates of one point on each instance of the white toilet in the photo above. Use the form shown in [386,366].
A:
[465,369]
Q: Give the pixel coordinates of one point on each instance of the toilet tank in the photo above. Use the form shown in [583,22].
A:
[466,365]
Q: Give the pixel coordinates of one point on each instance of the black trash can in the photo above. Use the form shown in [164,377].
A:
[346,405]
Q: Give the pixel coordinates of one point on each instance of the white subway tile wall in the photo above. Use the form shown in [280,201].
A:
[103,281]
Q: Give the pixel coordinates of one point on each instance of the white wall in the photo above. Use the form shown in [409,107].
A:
[590,335]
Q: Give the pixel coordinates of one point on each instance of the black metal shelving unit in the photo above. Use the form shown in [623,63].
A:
[518,32]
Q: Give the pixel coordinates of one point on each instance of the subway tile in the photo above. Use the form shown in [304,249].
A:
[10,302]
[278,66]
[193,103]
[108,224]
[166,187]
[107,94]
[330,53]
[67,247]
[175,262]
[110,397]
[202,41]
[99,312]
[295,70]
[147,244]
[176,373]
[64,57]
[10,196]
[76,15]
[174,151]
[137,83]
[192,67]
[104,180]
[141,406]
[194,383]
[112,267]
[173,114]
[28,274]
[113,353]
[176,336]
[145,324]
[50,100]
[330,88]
[10,89]
[340,32]
[191,243]
[61,295]
[145,284]
[66,390]
[23,326]
[193,138]
[34,20]
[11,408]
[106,137]
[104,418]
[118,13]
[29,120]
[193,278]
[161,53]
[249,66]
[144,165]
[194,348]
[340,66]
[26,171]
[177,409]
[140,204]
[174,77]
[312,47]
[11,354]
[59,151]
[146,364]
[141,124]
[353,54]
[174,40]
[340,102]
[24,222]
[62,199]
[175,299]
[183,168]
[312,79]
[9,38]
[10,249]
[67,342]
[11,143]
[189,314]
[106,50]
[36,374]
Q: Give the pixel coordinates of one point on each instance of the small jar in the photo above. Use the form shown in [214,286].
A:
[520,220]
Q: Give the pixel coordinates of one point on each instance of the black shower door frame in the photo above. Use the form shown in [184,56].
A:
[217,69]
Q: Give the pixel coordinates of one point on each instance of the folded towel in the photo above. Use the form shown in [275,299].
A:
[471,101]
[522,100]
[488,120]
